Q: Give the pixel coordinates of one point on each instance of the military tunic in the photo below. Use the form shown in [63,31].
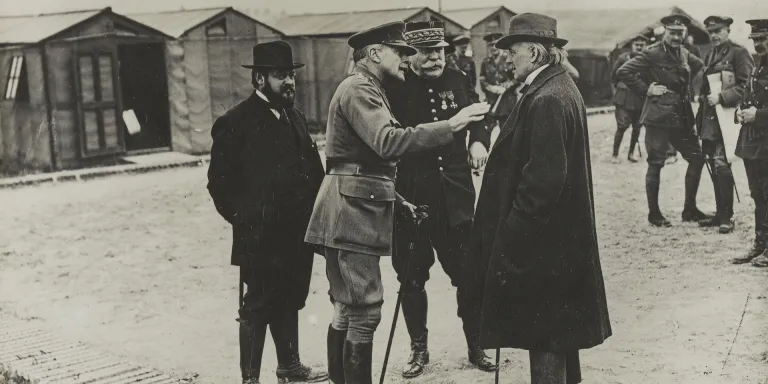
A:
[493,71]
[467,65]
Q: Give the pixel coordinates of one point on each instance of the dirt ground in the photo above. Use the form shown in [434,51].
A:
[138,266]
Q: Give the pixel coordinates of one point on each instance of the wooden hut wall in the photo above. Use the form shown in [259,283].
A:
[61,85]
[206,77]
[23,123]
[304,51]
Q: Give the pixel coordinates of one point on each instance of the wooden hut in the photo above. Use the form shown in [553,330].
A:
[67,77]
[480,22]
[203,62]
[320,41]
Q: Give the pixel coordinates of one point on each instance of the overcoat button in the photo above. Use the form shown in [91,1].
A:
[371,197]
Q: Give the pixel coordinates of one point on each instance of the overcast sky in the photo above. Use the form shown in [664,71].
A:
[314,6]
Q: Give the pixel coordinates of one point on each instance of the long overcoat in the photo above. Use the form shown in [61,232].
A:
[263,178]
[534,231]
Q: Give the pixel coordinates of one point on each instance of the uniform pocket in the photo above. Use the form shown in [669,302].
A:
[366,212]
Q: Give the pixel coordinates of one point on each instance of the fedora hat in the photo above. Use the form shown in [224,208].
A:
[531,27]
[273,55]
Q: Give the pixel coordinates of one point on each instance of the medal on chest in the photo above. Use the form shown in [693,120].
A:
[451,98]
[443,97]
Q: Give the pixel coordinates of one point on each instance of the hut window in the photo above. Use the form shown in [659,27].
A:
[217,29]
[16,86]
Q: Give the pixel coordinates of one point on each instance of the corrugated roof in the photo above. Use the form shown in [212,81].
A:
[176,23]
[36,28]
[602,30]
[468,18]
[341,23]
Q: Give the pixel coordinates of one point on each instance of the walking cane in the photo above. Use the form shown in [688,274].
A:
[498,367]
[421,215]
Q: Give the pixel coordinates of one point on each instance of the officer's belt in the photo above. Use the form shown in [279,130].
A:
[364,170]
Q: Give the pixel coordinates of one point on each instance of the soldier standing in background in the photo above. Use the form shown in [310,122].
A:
[628,102]
[734,64]
[667,114]
[753,143]
[441,179]
[462,58]
[353,218]
[493,71]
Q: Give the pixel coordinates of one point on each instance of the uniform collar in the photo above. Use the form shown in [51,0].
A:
[532,75]
[362,70]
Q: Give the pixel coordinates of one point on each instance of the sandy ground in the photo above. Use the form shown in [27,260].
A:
[137,266]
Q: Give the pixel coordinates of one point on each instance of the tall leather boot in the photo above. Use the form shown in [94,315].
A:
[357,362]
[692,178]
[285,333]
[632,143]
[617,138]
[415,307]
[252,336]
[725,206]
[336,340]
[652,185]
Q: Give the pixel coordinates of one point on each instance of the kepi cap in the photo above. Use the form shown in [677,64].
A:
[425,34]
[390,34]
[759,28]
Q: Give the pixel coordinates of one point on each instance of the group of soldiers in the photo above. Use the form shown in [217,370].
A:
[653,90]
[405,130]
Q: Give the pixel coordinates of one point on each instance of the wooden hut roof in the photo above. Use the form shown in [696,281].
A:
[33,29]
[601,31]
[470,17]
[177,23]
[347,23]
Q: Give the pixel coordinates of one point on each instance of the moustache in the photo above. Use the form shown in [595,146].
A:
[433,64]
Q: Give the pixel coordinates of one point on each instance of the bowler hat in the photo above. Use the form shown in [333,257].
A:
[390,34]
[677,21]
[717,22]
[759,28]
[425,34]
[274,55]
[531,27]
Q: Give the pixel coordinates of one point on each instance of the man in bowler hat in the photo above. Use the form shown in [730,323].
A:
[534,233]
[264,175]
[440,178]
[752,145]
[353,216]
[667,113]
[628,102]
[733,64]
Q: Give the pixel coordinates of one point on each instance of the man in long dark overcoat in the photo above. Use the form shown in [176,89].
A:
[534,230]
[733,64]
[440,178]
[264,175]
[353,217]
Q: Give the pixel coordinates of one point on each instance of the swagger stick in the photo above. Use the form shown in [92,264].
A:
[421,214]
[498,367]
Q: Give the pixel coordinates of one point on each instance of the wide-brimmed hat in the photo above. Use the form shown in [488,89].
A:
[273,55]
[390,34]
[531,27]
[759,28]
[425,34]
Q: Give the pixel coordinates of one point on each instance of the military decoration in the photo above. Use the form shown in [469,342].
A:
[443,96]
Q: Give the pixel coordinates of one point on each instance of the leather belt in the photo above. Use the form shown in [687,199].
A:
[357,169]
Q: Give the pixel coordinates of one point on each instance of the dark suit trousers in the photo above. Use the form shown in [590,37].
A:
[555,368]
[757,177]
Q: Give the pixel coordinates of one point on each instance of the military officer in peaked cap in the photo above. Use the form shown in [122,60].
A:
[493,70]
[264,175]
[463,57]
[440,178]
[733,63]
[353,217]
[753,142]
[667,113]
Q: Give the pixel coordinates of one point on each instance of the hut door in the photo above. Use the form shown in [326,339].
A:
[98,103]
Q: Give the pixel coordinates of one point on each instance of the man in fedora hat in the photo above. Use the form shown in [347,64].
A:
[440,178]
[628,103]
[534,233]
[264,175]
[353,216]
[667,113]
[493,70]
[733,64]
[752,145]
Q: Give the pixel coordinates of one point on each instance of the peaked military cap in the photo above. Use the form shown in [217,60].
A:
[390,34]
[759,28]
[425,34]
[461,39]
[640,37]
[676,22]
[716,22]
[493,36]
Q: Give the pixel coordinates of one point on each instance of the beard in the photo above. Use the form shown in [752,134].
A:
[283,97]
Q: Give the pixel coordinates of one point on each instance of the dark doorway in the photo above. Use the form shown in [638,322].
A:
[145,91]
